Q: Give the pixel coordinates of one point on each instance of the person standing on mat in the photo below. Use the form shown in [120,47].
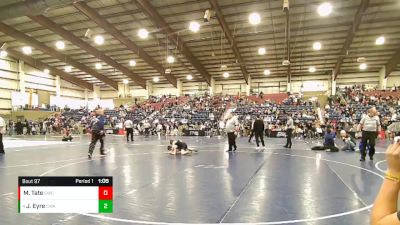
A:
[289,131]
[128,124]
[230,128]
[97,134]
[258,130]
[251,131]
[370,127]
[2,132]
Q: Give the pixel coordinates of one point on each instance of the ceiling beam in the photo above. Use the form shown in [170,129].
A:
[48,24]
[159,21]
[350,35]
[103,23]
[231,39]
[287,37]
[392,63]
[31,7]
[41,66]
[19,36]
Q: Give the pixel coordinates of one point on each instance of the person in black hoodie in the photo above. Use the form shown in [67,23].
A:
[258,130]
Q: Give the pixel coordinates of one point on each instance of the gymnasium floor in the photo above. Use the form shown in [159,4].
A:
[279,186]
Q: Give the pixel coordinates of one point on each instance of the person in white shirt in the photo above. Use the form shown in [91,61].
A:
[159,129]
[147,126]
[289,131]
[128,124]
[230,128]
[2,132]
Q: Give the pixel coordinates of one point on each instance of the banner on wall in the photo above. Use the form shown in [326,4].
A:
[103,103]
[74,103]
[22,99]
[71,103]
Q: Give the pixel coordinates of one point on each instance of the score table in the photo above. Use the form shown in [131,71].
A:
[65,194]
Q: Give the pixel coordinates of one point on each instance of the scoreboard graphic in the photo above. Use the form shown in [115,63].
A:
[65,194]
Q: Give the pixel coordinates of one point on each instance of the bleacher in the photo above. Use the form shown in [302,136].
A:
[252,111]
[75,114]
[358,109]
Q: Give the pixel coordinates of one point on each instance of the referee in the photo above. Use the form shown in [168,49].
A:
[128,124]
[370,127]
[289,132]
[230,128]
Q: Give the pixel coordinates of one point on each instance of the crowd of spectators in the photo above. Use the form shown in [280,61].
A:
[169,115]
[345,110]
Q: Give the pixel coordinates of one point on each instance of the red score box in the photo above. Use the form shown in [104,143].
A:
[105,193]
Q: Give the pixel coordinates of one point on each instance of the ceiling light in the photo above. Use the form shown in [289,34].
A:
[325,9]
[262,51]
[311,69]
[68,69]
[361,59]
[99,40]
[98,66]
[3,53]
[189,77]
[226,74]
[168,71]
[46,71]
[125,81]
[143,33]
[194,26]
[254,18]
[380,40]
[60,45]
[156,79]
[317,46]
[170,59]
[363,66]
[27,50]
[267,72]
[132,62]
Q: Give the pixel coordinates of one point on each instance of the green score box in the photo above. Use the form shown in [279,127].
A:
[105,206]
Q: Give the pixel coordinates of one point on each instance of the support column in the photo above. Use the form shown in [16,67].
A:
[333,83]
[179,90]
[21,71]
[122,90]
[212,86]
[58,86]
[149,88]
[248,85]
[96,92]
[86,96]
[289,87]
[382,79]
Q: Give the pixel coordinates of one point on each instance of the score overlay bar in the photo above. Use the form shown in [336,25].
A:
[65,194]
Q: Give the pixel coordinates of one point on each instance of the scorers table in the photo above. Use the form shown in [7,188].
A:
[65,194]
